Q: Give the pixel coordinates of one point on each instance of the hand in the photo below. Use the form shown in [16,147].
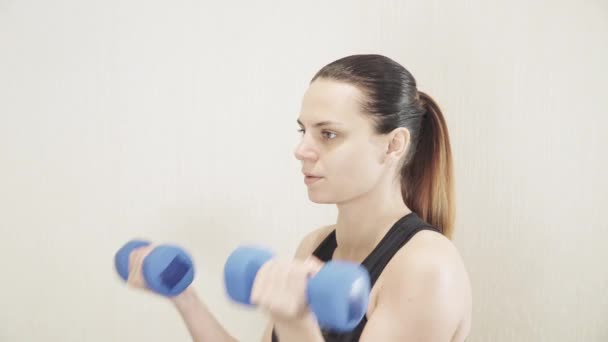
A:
[280,287]
[136,260]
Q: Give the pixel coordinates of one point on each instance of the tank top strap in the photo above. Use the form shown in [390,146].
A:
[398,235]
[326,248]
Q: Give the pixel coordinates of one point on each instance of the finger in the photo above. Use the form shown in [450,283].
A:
[280,294]
[298,281]
[277,291]
[260,282]
[276,284]
[134,266]
[136,259]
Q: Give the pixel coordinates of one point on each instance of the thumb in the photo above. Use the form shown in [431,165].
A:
[313,265]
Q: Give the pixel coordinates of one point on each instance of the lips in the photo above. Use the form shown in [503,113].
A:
[308,174]
[310,178]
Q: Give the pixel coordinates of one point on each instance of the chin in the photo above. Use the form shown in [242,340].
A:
[333,198]
[320,198]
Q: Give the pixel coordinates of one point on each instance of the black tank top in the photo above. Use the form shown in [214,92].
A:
[397,236]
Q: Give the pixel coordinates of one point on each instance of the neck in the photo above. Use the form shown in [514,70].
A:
[363,221]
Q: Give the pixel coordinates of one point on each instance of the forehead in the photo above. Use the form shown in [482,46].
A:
[329,100]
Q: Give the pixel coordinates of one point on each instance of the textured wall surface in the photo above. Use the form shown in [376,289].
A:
[175,121]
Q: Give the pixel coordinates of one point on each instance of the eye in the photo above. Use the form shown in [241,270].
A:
[328,135]
[301,131]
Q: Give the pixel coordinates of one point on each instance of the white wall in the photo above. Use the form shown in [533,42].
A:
[175,121]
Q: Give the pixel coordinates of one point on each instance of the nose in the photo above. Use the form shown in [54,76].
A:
[305,150]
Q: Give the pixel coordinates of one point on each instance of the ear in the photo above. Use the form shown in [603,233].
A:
[398,144]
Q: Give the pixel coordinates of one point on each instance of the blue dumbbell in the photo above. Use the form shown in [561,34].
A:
[338,294]
[168,270]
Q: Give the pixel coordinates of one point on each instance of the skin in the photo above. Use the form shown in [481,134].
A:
[423,294]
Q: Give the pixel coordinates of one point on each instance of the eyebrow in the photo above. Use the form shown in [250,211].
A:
[321,123]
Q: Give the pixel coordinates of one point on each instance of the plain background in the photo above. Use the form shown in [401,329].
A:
[175,121]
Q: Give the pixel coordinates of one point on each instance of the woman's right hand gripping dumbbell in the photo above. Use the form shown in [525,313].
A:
[135,276]
[168,270]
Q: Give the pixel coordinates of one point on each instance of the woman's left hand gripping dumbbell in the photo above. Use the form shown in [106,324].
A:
[300,296]
[165,269]
[280,287]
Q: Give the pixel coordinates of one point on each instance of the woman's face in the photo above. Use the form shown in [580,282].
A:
[342,157]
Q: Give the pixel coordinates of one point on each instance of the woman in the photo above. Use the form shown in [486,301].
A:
[379,149]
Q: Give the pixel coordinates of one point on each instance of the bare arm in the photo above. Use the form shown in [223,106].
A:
[201,324]
[424,296]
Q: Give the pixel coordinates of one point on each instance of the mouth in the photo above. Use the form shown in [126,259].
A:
[309,179]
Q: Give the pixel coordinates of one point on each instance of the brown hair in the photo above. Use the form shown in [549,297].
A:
[393,100]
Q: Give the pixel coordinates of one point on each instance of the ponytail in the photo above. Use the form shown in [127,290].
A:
[427,179]
[394,101]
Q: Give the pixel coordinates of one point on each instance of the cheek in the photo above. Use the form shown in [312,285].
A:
[356,170]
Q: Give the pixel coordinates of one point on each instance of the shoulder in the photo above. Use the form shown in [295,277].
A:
[311,240]
[427,278]
[429,260]
[428,250]
[424,294]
